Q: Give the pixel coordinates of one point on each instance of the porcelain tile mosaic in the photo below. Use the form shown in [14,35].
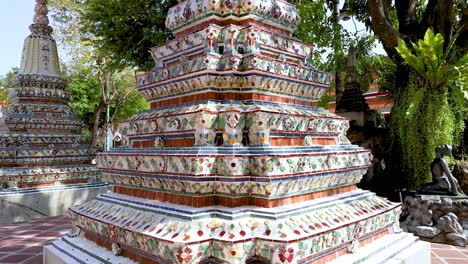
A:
[42,146]
[233,163]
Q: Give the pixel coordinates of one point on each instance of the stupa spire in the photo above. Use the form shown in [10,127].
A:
[41,21]
[40,50]
[41,11]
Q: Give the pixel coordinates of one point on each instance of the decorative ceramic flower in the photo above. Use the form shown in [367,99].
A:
[184,255]
[153,125]
[286,255]
[175,123]
[235,250]
[229,4]
[187,13]
[232,120]
[288,123]
[203,121]
[161,165]
[260,121]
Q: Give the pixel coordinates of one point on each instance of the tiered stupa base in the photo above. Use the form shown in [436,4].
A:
[233,163]
[318,231]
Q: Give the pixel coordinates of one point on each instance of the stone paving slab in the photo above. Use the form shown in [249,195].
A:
[447,254]
[22,242]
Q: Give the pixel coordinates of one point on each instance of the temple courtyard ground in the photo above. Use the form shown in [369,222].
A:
[22,242]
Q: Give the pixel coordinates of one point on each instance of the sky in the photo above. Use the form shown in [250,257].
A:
[17,15]
[15,18]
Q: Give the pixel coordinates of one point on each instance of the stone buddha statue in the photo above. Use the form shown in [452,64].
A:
[443,182]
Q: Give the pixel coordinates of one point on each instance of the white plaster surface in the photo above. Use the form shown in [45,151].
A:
[397,248]
[63,252]
[25,206]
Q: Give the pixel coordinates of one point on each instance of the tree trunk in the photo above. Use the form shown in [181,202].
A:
[97,118]
[438,15]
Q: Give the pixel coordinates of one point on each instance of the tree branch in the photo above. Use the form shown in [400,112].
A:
[438,16]
[408,24]
[382,27]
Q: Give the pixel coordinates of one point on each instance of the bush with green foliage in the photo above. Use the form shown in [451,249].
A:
[433,107]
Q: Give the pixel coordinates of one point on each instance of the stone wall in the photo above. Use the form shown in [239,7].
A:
[439,219]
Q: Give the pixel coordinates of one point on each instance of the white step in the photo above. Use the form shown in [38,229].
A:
[78,250]
[391,249]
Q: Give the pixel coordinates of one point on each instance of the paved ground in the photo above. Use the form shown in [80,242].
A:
[22,242]
[446,254]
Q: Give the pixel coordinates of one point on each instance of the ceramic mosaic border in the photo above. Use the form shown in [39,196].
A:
[260,120]
[31,171]
[38,81]
[190,213]
[41,93]
[47,109]
[311,232]
[28,139]
[55,155]
[248,39]
[14,177]
[311,83]
[29,122]
[231,82]
[241,187]
[191,12]
[269,164]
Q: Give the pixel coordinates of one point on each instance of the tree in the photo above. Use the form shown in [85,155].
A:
[101,89]
[438,117]
[96,92]
[125,30]
[5,84]
[319,25]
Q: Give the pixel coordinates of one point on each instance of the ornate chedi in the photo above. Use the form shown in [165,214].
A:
[40,143]
[233,163]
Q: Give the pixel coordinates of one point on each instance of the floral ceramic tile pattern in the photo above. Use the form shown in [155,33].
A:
[233,162]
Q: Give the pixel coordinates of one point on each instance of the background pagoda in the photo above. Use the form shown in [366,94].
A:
[234,163]
[41,146]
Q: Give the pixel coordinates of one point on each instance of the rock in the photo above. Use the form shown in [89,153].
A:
[439,221]
[449,224]
[426,231]
[460,172]
[457,239]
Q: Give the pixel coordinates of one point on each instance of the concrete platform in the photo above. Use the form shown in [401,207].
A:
[397,248]
[23,242]
[27,204]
